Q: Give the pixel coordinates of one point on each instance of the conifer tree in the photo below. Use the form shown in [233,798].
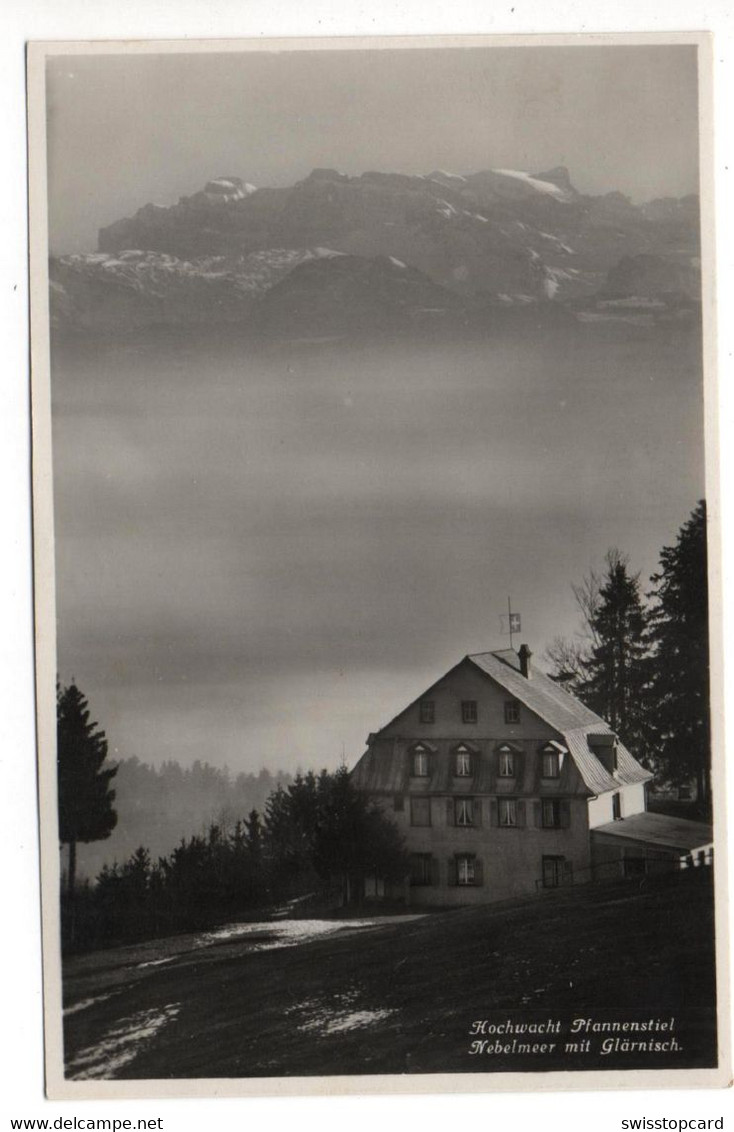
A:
[85,799]
[355,839]
[321,827]
[680,638]
[615,684]
[253,835]
[607,664]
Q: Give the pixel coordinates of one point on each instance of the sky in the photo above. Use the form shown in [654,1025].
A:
[260,559]
[128,130]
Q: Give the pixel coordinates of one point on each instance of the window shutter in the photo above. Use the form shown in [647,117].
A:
[435,878]
[567,872]
[450,815]
[520,812]
[519,757]
[494,816]
[451,876]
[565,809]
[538,814]
[478,871]
[477,810]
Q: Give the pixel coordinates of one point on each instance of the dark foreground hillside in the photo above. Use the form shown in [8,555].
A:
[607,977]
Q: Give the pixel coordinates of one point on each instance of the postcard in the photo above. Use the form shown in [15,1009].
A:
[376,515]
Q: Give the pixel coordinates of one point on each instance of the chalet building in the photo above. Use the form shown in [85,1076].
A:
[502,784]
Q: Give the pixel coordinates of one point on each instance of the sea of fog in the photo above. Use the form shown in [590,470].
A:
[263,554]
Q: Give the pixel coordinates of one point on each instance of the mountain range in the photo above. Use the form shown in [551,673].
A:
[334,255]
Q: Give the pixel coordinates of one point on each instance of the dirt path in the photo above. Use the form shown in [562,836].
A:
[121,974]
[398,995]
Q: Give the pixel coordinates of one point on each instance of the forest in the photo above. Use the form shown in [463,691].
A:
[315,842]
[159,805]
[640,658]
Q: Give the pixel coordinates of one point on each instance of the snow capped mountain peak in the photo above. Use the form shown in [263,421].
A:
[492,232]
[222,190]
[444,177]
[547,188]
[558,175]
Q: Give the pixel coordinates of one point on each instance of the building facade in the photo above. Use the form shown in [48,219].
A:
[497,777]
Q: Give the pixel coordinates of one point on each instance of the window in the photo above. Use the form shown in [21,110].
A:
[506,763]
[507,811]
[556,871]
[512,711]
[462,763]
[608,758]
[551,767]
[398,803]
[464,811]
[468,711]
[428,711]
[604,747]
[466,870]
[551,810]
[616,807]
[419,763]
[421,869]
[420,811]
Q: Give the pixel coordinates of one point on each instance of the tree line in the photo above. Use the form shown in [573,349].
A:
[158,805]
[640,659]
[316,837]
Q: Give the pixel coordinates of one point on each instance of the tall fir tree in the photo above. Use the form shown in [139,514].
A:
[85,800]
[680,636]
[354,839]
[322,829]
[616,676]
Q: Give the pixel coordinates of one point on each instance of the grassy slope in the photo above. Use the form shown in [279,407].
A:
[616,951]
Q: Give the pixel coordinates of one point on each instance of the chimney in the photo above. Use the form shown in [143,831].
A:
[525,666]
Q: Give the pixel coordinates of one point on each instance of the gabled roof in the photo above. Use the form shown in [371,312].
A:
[541,694]
[383,769]
[566,714]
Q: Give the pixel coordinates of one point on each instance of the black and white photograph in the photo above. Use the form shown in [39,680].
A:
[376,521]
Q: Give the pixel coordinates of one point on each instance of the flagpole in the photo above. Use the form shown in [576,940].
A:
[509,618]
